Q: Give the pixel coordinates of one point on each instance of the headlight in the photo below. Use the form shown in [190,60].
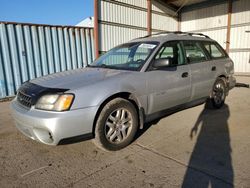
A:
[55,102]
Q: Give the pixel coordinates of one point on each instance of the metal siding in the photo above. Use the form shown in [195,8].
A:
[83,47]
[205,18]
[139,3]
[35,44]
[8,73]
[240,39]
[123,15]
[49,49]
[241,12]
[55,49]
[119,22]
[3,90]
[211,21]
[14,56]
[92,44]
[156,8]
[72,48]
[160,22]
[78,48]
[42,42]
[163,18]
[88,41]
[241,61]
[218,35]
[67,49]
[123,20]
[62,49]
[112,36]
[28,51]
[21,53]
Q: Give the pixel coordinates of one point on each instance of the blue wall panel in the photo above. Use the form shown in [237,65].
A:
[28,51]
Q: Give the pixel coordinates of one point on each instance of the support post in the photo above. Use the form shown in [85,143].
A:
[149,17]
[179,21]
[96,29]
[229,16]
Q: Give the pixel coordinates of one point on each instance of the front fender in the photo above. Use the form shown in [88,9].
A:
[96,94]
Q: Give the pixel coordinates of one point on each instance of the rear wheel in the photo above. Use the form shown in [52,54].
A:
[218,95]
[116,125]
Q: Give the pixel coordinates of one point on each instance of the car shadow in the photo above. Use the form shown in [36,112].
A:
[210,164]
[147,125]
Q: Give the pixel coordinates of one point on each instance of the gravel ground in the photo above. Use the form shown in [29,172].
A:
[191,148]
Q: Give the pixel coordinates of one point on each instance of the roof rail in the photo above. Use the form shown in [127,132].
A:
[199,34]
[177,33]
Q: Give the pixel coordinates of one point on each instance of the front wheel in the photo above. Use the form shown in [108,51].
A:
[116,125]
[218,95]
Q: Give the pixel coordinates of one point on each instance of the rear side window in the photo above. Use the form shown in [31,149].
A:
[214,50]
[194,52]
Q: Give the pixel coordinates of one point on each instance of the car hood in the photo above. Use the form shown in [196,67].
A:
[78,78]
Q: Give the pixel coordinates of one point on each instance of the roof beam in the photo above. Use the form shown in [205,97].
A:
[149,17]
[170,1]
[229,15]
[170,6]
[96,28]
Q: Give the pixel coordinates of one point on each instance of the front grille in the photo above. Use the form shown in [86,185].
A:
[24,99]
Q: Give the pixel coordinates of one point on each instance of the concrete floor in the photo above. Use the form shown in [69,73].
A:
[191,148]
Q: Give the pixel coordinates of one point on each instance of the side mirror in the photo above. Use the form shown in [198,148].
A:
[164,62]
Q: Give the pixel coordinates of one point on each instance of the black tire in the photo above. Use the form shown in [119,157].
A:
[104,138]
[218,95]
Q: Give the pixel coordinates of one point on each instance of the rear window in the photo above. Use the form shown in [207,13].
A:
[214,50]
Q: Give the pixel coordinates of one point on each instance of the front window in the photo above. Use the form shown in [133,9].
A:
[130,56]
[171,50]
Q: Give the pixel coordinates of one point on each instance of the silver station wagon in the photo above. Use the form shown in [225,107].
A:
[130,85]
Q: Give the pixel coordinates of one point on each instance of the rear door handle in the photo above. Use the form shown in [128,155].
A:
[184,74]
[213,68]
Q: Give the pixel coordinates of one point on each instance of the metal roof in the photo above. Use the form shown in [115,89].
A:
[181,3]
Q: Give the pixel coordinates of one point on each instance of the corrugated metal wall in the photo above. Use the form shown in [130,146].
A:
[28,51]
[212,21]
[123,20]
[240,39]
[163,18]
[119,22]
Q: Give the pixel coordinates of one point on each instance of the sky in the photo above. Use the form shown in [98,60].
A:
[54,12]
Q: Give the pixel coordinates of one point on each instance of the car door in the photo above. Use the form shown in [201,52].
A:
[168,86]
[219,58]
[202,69]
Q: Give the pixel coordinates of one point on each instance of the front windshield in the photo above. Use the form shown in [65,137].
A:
[129,56]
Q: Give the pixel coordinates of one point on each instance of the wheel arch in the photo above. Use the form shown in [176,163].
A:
[125,95]
[225,79]
[222,76]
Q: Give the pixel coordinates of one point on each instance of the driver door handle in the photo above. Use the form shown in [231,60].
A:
[184,74]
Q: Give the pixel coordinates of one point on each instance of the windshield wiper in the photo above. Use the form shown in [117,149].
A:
[102,66]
